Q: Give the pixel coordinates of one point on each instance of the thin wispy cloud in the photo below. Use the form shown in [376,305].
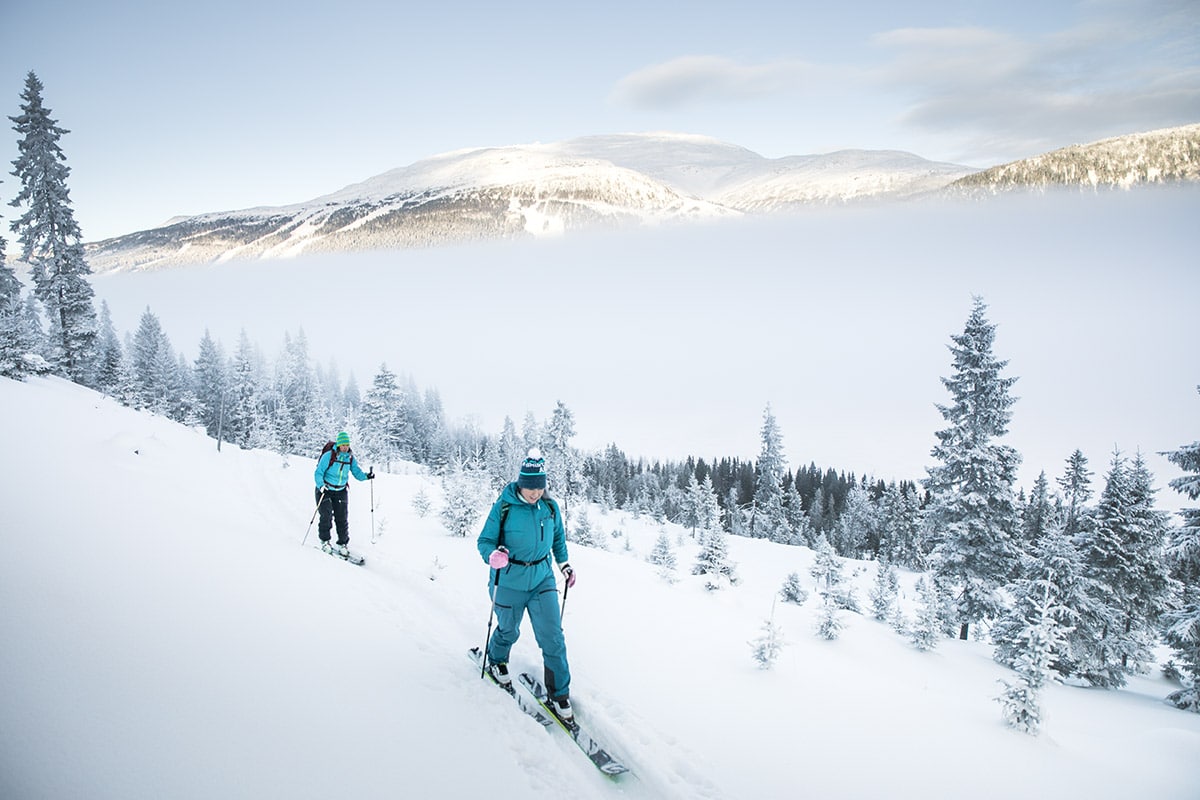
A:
[1129,69]
[701,80]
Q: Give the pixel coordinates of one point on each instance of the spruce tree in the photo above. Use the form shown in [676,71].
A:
[926,629]
[768,519]
[108,368]
[13,342]
[1055,572]
[210,372]
[1181,623]
[884,592]
[1076,485]
[973,515]
[1037,512]
[50,238]
[1124,551]
[1039,639]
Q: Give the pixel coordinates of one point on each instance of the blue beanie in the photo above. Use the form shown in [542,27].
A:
[533,471]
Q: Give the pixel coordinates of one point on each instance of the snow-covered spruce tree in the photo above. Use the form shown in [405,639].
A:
[972,515]
[884,592]
[1037,643]
[562,460]
[1181,623]
[464,491]
[1124,551]
[384,433]
[1055,572]
[421,503]
[153,360]
[713,559]
[13,344]
[768,519]
[245,378]
[900,535]
[859,523]
[296,385]
[766,647]
[829,624]
[926,629]
[803,534]
[110,354]
[582,530]
[737,520]
[1037,513]
[792,591]
[50,238]
[210,372]
[663,556]
[1076,489]
[827,569]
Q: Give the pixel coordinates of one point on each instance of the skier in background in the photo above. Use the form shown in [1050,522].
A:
[334,469]
[523,530]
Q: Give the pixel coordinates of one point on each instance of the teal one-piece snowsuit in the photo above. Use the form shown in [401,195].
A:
[533,534]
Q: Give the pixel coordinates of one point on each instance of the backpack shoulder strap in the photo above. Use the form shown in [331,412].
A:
[504,507]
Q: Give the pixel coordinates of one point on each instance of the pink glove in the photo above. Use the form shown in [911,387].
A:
[569,574]
[499,558]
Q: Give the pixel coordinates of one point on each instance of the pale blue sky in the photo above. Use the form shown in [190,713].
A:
[182,108]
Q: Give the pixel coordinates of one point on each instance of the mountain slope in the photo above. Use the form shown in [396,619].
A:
[167,636]
[1169,155]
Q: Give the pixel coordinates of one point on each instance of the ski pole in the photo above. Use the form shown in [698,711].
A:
[491,613]
[372,482]
[314,516]
[566,588]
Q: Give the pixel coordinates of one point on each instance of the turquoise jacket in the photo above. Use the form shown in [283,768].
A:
[533,533]
[334,476]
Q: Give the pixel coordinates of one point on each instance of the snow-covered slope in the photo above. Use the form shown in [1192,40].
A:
[165,635]
[1169,155]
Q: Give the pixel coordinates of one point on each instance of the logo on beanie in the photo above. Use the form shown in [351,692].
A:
[533,471]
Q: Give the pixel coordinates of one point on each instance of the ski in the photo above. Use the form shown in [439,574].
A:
[351,556]
[590,747]
[527,704]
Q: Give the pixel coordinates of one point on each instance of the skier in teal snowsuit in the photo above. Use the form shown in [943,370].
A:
[333,472]
[522,579]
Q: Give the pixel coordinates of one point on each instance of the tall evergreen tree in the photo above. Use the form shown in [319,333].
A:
[50,238]
[900,540]
[1037,514]
[1181,623]
[210,372]
[768,517]
[1125,552]
[13,342]
[1054,575]
[973,513]
[1076,485]
[111,356]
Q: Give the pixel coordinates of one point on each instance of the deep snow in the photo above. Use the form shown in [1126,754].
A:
[165,635]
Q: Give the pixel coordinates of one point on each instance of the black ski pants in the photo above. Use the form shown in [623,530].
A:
[335,507]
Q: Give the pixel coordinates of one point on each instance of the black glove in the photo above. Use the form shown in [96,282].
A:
[371,474]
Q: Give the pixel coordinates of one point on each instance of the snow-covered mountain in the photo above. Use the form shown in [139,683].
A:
[1169,155]
[529,190]
[609,181]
